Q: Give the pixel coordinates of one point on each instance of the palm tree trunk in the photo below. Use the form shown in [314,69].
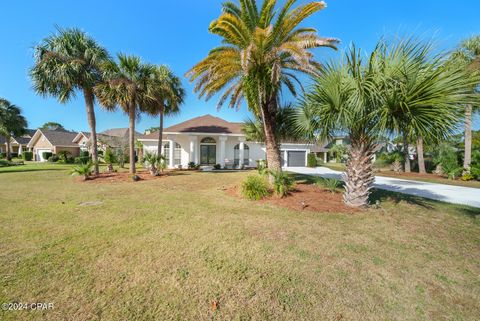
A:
[131,138]
[8,154]
[468,138]
[271,144]
[358,174]
[406,155]
[421,160]
[88,95]
[160,132]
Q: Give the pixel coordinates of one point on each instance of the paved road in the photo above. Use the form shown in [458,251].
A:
[447,193]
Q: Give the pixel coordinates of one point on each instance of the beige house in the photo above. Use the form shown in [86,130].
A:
[18,145]
[52,141]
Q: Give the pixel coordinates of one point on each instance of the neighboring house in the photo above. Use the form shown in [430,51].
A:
[209,140]
[53,141]
[17,144]
[115,139]
[322,150]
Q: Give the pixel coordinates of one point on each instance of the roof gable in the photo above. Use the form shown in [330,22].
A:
[207,124]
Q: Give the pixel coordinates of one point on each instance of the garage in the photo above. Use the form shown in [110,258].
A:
[39,154]
[296,158]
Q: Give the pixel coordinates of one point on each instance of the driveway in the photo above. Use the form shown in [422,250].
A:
[446,193]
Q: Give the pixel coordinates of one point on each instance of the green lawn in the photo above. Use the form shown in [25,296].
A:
[165,249]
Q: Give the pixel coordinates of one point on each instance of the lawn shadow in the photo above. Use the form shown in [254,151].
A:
[32,170]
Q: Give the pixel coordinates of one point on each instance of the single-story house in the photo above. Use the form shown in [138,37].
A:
[53,141]
[209,140]
[116,138]
[17,144]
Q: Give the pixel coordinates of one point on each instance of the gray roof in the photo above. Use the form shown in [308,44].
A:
[118,132]
[24,139]
[60,137]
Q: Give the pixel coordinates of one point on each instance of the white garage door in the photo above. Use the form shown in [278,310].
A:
[40,156]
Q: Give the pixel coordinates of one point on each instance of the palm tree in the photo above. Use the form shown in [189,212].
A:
[285,126]
[167,91]
[399,87]
[12,123]
[126,85]
[468,56]
[261,52]
[67,62]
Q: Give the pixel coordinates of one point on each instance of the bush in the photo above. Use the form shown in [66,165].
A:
[282,183]
[192,165]
[109,157]
[331,184]
[262,167]
[475,171]
[467,177]
[63,155]
[81,160]
[53,159]
[84,153]
[217,167]
[3,155]
[255,188]
[84,170]
[311,160]
[28,156]
[47,155]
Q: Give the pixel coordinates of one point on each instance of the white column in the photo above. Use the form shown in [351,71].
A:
[241,151]
[223,139]
[170,154]
[325,157]
[191,155]
[20,149]
[285,158]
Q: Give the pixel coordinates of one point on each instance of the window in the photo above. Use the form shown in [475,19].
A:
[208,140]
[177,153]
[246,155]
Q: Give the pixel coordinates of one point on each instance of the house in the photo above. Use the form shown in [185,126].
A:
[17,144]
[116,138]
[53,141]
[209,140]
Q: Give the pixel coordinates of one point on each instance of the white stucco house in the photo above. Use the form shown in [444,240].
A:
[209,140]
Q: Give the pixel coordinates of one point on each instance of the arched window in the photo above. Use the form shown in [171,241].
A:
[177,153]
[246,155]
[208,140]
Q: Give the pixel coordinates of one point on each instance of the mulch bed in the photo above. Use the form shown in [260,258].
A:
[122,177]
[305,197]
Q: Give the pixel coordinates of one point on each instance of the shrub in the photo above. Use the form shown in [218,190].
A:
[84,153]
[311,160]
[81,160]
[109,157]
[28,156]
[14,155]
[282,183]
[262,167]
[331,184]
[63,155]
[255,188]
[217,166]
[475,171]
[192,165]
[467,177]
[83,169]
[3,155]
[47,155]
[452,170]
[53,159]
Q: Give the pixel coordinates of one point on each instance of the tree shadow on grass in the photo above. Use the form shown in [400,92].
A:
[32,170]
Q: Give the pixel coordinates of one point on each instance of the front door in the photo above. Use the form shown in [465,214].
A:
[208,154]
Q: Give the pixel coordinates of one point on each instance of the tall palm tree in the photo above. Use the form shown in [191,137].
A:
[167,91]
[262,51]
[468,56]
[12,123]
[126,85]
[400,86]
[66,62]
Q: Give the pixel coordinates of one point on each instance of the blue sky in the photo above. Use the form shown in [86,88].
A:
[176,33]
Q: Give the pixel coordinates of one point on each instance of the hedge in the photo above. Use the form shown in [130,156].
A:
[311,160]
[28,156]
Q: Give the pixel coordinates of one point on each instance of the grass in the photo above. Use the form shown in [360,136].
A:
[167,248]
[420,178]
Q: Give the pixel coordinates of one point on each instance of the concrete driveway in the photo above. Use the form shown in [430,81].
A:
[446,193]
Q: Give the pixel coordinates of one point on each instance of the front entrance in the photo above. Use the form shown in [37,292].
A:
[208,154]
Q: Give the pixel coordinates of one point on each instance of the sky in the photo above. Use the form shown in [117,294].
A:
[175,33]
